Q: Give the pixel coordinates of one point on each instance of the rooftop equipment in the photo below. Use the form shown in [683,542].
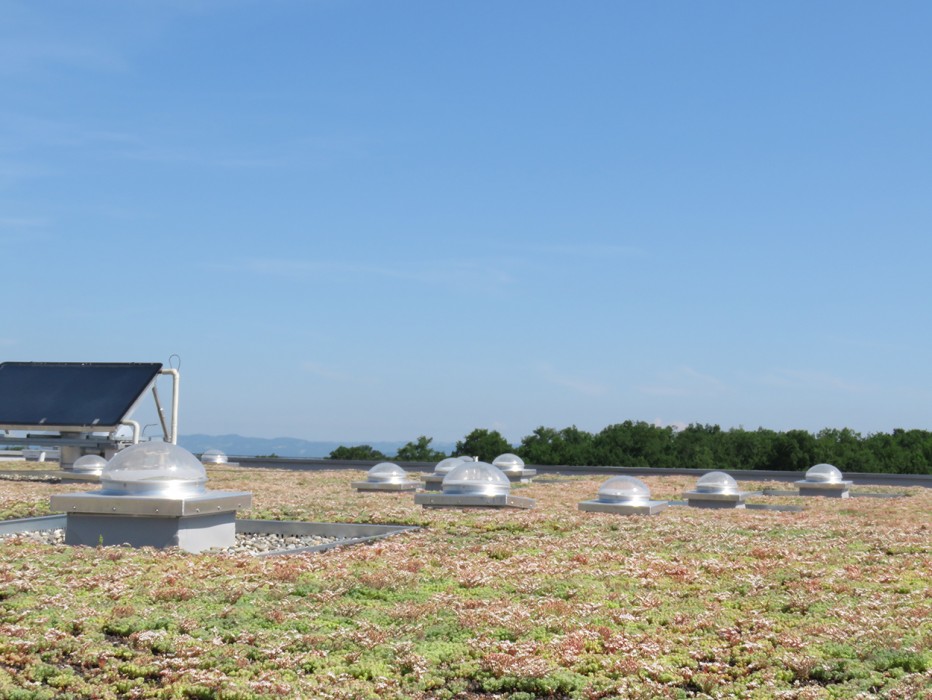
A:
[476,485]
[77,407]
[824,480]
[717,490]
[152,494]
[387,476]
[624,495]
[513,467]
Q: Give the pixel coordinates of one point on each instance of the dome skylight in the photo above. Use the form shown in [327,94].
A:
[824,474]
[387,473]
[509,462]
[717,482]
[476,478]
[154,468]
[624,489]
[445,465]
[213,457]
[89,464]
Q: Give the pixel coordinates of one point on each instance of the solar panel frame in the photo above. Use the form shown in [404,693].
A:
[71,396]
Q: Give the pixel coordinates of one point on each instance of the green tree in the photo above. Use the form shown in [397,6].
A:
[484,444]
[631,444]
[845,449]
[794,450]
[745,449]
[541,447]
[570,446]
[902,451]
[356,452]
[419,451]
[699,447]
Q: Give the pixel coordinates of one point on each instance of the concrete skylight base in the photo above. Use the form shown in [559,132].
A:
[342,534]
[193,523]
[522,476]
[433,482]
[836,489]
[648,508]
[447,500]
[386,486]
[698,499]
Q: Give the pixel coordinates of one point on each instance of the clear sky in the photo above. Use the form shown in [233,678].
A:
[373,220]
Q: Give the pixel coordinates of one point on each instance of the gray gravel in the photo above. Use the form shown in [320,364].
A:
[246,543]
[261,543]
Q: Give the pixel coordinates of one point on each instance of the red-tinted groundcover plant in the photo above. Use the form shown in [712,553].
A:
[832,602]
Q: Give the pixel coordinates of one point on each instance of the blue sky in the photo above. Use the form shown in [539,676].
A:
[377,220]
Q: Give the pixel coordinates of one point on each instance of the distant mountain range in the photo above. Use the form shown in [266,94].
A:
[240,446]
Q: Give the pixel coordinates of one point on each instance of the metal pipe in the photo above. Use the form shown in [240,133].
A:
[135,426]
[160,412]
[176,381]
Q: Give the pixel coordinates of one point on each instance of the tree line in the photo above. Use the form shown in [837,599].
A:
[641,444]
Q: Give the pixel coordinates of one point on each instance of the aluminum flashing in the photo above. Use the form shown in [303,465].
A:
[71,396]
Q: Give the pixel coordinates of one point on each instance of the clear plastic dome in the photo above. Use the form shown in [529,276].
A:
[387,473]
[716,482]
[213,457]
[476,479]
[509,462]
[445,465]
[89,464]
[624,489]
[154,468]
[824,474]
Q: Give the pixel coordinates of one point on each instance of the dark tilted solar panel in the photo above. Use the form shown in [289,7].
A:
[93,395]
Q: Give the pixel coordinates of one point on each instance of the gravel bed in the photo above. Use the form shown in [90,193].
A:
[259,543]
[246,543]
[30,476]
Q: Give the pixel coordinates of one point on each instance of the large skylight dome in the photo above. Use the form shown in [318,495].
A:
[154,468]
[624,489]
[717,482]
[477,479]
[824,474]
